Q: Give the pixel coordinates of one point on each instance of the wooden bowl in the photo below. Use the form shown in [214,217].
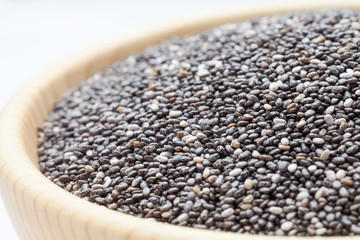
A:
[41,210]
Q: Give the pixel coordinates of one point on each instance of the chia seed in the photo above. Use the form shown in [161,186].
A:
[251,127]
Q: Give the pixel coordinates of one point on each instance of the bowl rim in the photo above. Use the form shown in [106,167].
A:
[15,156]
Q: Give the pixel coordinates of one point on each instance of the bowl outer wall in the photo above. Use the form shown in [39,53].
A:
[41,210]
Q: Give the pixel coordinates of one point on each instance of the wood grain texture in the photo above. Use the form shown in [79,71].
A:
[38,208]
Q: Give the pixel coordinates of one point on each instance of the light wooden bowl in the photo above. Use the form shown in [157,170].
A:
[41,210]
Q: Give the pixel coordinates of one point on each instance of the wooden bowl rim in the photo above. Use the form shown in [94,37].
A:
[16,167]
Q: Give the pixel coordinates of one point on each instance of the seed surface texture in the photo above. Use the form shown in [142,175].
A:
[251,127]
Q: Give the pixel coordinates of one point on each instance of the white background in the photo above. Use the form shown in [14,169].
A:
[36,34]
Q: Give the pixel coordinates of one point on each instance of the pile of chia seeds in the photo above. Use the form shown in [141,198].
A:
[251,127]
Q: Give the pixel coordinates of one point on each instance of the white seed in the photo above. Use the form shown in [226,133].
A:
[292,167]
[89,168]
[133,127]
[184,124]
[309,215]
[100,175]
[279,120]
[175,113]
[302,195]
[340,174]
[336,184]
[183,217]
[274,86]
[330,175]
[196,189]
[248,199]
[56,129]
[200,135]
[355,207]
[315,61]
[235,172]
[355,229]
[320,193]
[314,220]
[275,178]
[300,124]
[318,141]
[330,110]
[325,154]
[167,214]
[343,192]
[114,161]
[309,113]
[161,159]
[198,159]
[203,72]
[306,40]
[166,154]
[129,134]
[185,65]
[146,191]
[339,121]
[320,231]
[248,184]
[296,69]
[206,190]
[322,132]
[212,63]
[154,107]
[312,168]
[244,67]
[285,141]
[303,73]
[246,206]
[275,210]
[190,139]
[286,226]
[348,103]
[355,25]
[329,119]
[238,151]
[107,183]
[346,75]
[278,57]
[206,173]
[267,107]
[347,135]
[89,153]
[227,212]
[186,137]
[290,215]
[299,98]
[255,154]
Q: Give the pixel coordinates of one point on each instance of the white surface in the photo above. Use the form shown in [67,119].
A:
[35,34]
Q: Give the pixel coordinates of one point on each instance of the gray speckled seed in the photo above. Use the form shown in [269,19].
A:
[227,212]
[175,114]
[275,210]
[325,154]
[329,119]
[286,226]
